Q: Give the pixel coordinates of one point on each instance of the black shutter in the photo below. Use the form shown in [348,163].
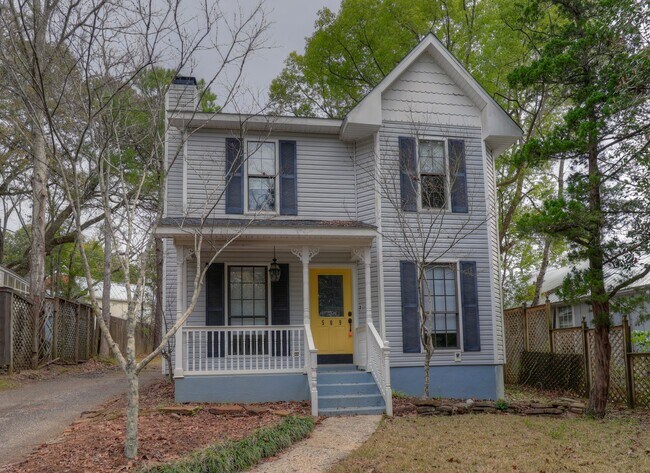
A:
[469,301]
[288,179]
[458,176]
[215,304]
[408,174]
[234,177]
[410,307]
[280,314]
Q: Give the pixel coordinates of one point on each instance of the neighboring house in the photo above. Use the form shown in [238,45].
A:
[120,301]
[336,321]
[567,314]
[13,281]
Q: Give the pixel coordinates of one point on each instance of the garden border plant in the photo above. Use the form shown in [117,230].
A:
[233,456]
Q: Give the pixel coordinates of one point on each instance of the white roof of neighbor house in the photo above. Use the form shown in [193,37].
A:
[555,277]
[118,290]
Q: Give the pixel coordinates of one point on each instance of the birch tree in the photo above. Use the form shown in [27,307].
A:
[102,53]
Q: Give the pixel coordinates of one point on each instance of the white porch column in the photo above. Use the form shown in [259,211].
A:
[368,285]
[180,286]
[305,254]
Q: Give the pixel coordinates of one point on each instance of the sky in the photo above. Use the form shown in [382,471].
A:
[291,22]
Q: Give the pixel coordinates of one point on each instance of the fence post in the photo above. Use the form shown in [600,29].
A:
[76,333]
[523,307]
[549,322]
[627,348]
[6,331]
[55,328]
[585,352]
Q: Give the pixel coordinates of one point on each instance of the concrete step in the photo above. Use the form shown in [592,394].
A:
[347,388]
[351,411]
[354,400]
[341,367]
[344,377]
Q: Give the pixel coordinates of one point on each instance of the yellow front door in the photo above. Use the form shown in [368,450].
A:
[331,310]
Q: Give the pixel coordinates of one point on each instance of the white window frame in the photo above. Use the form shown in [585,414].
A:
[557,316]
[276,145]
[460,347]
[447,207]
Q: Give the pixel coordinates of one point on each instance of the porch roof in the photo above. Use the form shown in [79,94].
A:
[268,228]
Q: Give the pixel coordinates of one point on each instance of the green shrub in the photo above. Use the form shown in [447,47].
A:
[400,395]
[501,405]
[232,456]
[641,340]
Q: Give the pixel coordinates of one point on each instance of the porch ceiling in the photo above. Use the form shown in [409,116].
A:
[327,233]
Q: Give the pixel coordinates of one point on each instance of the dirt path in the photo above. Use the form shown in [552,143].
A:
[332,440]
[39,411]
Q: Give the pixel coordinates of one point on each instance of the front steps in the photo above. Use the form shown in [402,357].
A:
[345,390]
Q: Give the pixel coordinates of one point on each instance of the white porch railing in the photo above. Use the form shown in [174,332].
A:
[11,280]
[311,362]
[378,363]
[242,350]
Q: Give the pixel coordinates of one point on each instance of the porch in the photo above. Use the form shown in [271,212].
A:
[264,337]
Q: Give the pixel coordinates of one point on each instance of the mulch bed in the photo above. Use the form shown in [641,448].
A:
[95,442]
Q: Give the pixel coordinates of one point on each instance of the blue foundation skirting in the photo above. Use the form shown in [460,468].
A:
[242,388]
[455,381]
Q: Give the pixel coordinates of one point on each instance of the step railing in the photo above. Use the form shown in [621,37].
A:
[378,363]
[311,366]
[242,350]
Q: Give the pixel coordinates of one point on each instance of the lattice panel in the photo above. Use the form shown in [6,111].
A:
[640,366]
[46,332]
[553,371]
[67,331]
[83,334]
[23,332]
[568,340]
[514,332]
[617,386]
[537,327]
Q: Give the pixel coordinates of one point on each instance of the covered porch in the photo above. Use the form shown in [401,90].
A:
[251,323]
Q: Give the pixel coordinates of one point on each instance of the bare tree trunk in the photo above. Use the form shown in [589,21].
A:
[37,251]
[427,371]
[158,312]
[104,349]
[133,396]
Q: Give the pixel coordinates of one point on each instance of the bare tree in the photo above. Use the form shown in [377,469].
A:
[101,52]
[422,183]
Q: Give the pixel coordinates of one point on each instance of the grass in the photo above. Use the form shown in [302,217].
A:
[6,384]
[233,456]
[486,443]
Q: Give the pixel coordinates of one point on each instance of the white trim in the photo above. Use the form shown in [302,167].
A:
[185,139]
[495,285]
[225,231]
[276,176]
[379,242]
[445,141]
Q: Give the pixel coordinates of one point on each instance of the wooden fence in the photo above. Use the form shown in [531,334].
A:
[563,359]
[143,336]
[65,331]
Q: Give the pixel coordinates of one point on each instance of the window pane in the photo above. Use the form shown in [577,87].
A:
[261,193]
[433,191]
[260,307]
[432,157]
[330,295]
[235,308]
[247,308]
[261,158]
[235,290]
[247,274]
[260,274]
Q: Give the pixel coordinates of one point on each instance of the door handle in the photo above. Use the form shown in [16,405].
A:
[350,320]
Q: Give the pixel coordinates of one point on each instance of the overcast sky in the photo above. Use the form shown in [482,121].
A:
[291,22]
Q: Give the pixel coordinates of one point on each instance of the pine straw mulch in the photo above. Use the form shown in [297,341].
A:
[95,442]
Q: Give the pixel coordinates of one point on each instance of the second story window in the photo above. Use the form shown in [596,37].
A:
[261,172]
[433,174]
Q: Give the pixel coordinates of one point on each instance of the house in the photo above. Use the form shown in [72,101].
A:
[570,314]
[119,300]
[313,300]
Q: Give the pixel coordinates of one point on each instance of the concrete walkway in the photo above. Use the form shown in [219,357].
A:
[331,441]
[40,411]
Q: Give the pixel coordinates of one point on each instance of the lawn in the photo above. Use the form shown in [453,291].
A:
[487,443]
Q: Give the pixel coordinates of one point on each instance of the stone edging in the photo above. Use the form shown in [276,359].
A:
[561,407]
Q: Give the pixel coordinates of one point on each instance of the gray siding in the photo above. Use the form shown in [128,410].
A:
[174,201]
[458,237]
[263,257]
[365,169]
[325,170]
[424,93]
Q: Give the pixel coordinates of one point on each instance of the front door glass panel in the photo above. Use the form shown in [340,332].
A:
[330,295]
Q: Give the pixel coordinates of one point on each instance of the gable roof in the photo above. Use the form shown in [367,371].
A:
[499,130]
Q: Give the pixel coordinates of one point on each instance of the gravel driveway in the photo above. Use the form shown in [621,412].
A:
[39,411]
